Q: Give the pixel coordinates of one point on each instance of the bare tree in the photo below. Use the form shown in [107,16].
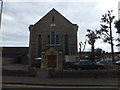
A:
[92,36]
[82,48]
[106,30]
[117,26]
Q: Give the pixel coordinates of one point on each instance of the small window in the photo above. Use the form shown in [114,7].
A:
[87,62]
[53,19]
[81,62]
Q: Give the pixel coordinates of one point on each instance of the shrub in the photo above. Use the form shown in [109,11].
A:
[32,71]
[51,73]
[83,73]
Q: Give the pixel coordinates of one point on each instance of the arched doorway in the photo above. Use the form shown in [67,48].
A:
[51,58]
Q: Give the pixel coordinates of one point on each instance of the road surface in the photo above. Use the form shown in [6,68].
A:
[48,87]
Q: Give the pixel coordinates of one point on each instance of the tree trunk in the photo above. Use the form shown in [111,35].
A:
[93,56]
[112,49]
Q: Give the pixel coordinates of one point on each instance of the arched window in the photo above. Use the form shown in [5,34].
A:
[53,38]
[48,39]
[66,41]
[57,39]
[39,45]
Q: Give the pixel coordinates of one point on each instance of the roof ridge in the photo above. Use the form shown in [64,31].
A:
[53,9]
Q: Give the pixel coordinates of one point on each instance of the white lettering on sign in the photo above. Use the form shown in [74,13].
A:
[53,25]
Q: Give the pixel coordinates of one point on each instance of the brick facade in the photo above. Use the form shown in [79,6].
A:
[52,30]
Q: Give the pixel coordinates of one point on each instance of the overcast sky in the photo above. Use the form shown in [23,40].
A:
[17,16]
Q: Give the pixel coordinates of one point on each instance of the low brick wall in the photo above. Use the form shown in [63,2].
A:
[14,73]
[83,73]
[6,61]
[111,66]
[30,72]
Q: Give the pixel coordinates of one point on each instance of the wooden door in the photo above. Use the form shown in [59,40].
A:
[51,61]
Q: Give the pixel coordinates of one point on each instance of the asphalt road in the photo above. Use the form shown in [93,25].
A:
[42,87]
[60,89]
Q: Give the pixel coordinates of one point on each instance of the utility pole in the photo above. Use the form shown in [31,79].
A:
[1,3]
[1,7]
[118,19]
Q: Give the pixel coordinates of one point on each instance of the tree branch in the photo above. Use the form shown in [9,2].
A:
[106,35]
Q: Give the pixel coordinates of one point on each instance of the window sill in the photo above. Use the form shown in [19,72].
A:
[53,44]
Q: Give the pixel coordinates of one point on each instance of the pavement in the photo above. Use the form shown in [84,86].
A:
[43,79]
[15,67]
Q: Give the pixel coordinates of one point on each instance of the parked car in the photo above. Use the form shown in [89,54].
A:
[100,61]
[37,62]
[87,64]
[67,65]
[105,61]
[117,62]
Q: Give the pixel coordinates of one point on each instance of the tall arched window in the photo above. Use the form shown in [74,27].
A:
[39,45]
[57,39]
[53,38]
[48,39]
[66,41]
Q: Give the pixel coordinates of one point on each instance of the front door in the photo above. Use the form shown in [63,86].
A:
[51,61]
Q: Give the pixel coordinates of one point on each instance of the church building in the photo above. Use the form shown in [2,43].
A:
[51,38]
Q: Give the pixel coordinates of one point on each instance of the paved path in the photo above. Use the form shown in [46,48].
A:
[16,67]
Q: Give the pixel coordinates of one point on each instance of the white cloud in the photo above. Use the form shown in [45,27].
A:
[7,17]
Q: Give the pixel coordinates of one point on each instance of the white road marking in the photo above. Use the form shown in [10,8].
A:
[42,86]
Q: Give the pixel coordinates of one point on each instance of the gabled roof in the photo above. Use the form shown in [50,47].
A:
[56,12]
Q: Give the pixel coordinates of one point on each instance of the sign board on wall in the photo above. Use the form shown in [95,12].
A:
[71,58]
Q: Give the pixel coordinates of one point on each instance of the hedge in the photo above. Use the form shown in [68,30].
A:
[30,72]
[54,73]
